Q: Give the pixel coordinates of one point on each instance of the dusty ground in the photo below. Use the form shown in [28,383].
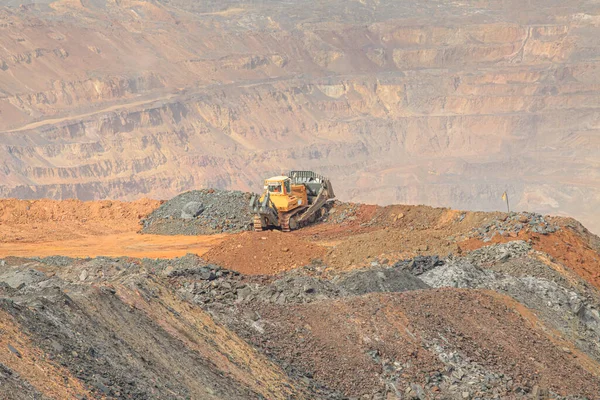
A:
[38,221]
[40,228]
[282,331]
[352,236]
[129,244]
[265,253]
[359,234]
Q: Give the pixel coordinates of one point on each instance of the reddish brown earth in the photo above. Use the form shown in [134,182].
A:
[367,232]
[260,253]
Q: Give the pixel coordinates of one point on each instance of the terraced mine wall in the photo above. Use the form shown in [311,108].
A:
[441,103]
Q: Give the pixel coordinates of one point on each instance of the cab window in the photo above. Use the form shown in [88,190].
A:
[288,186]
[275,187]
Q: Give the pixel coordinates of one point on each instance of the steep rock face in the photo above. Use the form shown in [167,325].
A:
[435,103]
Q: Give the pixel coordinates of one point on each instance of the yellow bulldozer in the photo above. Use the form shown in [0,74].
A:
[290,202]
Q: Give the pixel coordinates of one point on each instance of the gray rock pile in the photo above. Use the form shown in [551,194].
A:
[557,302]
[462,379]
[488,255]
[214,286]
[380,280]
[201,212]
[343,212]
[512,224]
[419,264]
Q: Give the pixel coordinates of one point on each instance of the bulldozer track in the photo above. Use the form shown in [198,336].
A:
[258,224]
[285,222]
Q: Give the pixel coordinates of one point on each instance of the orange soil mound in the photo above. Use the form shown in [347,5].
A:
[40,228]
[48,220]
[571,250]
[269,252]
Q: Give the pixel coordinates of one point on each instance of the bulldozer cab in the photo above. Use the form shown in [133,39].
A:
[279,185]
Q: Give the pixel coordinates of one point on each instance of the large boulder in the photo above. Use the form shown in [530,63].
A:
[192,210]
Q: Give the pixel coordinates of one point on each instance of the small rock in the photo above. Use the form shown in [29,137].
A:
[13,350]
[244,293]
[102,388]
[83,275]
[281,299]
[523,219]
[226,285]
[538,393]
[57,346]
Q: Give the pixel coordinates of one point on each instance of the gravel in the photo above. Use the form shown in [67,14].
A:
[514,223]
[201,212]
[56,261]
[219,288]
[343,212]
[379,280]
[502,252]
[419,264]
